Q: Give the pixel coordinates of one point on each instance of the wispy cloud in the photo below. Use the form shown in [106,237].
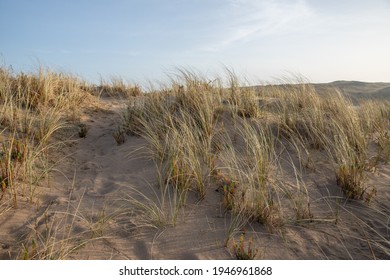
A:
[245,20]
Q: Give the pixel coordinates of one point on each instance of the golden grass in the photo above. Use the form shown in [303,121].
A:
[185,128]
[188,114]
[116,86]
[33,107]
[55,235]
[202,136]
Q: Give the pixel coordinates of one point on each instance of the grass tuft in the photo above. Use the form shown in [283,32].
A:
[244,253]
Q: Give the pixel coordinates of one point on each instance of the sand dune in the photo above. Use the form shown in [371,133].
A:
[88,209]
[355,89]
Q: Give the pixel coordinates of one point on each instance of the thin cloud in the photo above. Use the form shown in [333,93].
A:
[250,19]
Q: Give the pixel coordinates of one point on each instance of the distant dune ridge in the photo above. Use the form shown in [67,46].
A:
[355,89]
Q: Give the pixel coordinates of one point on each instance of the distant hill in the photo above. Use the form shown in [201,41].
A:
[358,90]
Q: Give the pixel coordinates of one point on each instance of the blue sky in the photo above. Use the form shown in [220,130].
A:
[145,39]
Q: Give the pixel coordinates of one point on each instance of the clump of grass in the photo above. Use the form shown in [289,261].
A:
[350,161]
[242,253]
[301,114]
[143,210]
[132,119]
[236,225]
[350,170]
[46,124]
[346,142]
[249,189]
[12,157]
[344,118]
[186,167]
[156,208]
[243,100]
[116,86]
[375,119]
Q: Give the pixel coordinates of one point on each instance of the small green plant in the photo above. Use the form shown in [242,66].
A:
[242,253]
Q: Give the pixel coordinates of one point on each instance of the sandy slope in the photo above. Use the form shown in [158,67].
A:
[94,174]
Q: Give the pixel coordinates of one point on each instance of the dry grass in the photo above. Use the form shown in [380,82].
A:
[248,175]
[243,252]
[55,235]
[185,129]
[116,86]
[191,109]
[254,145]
[33,108]
[375,119]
